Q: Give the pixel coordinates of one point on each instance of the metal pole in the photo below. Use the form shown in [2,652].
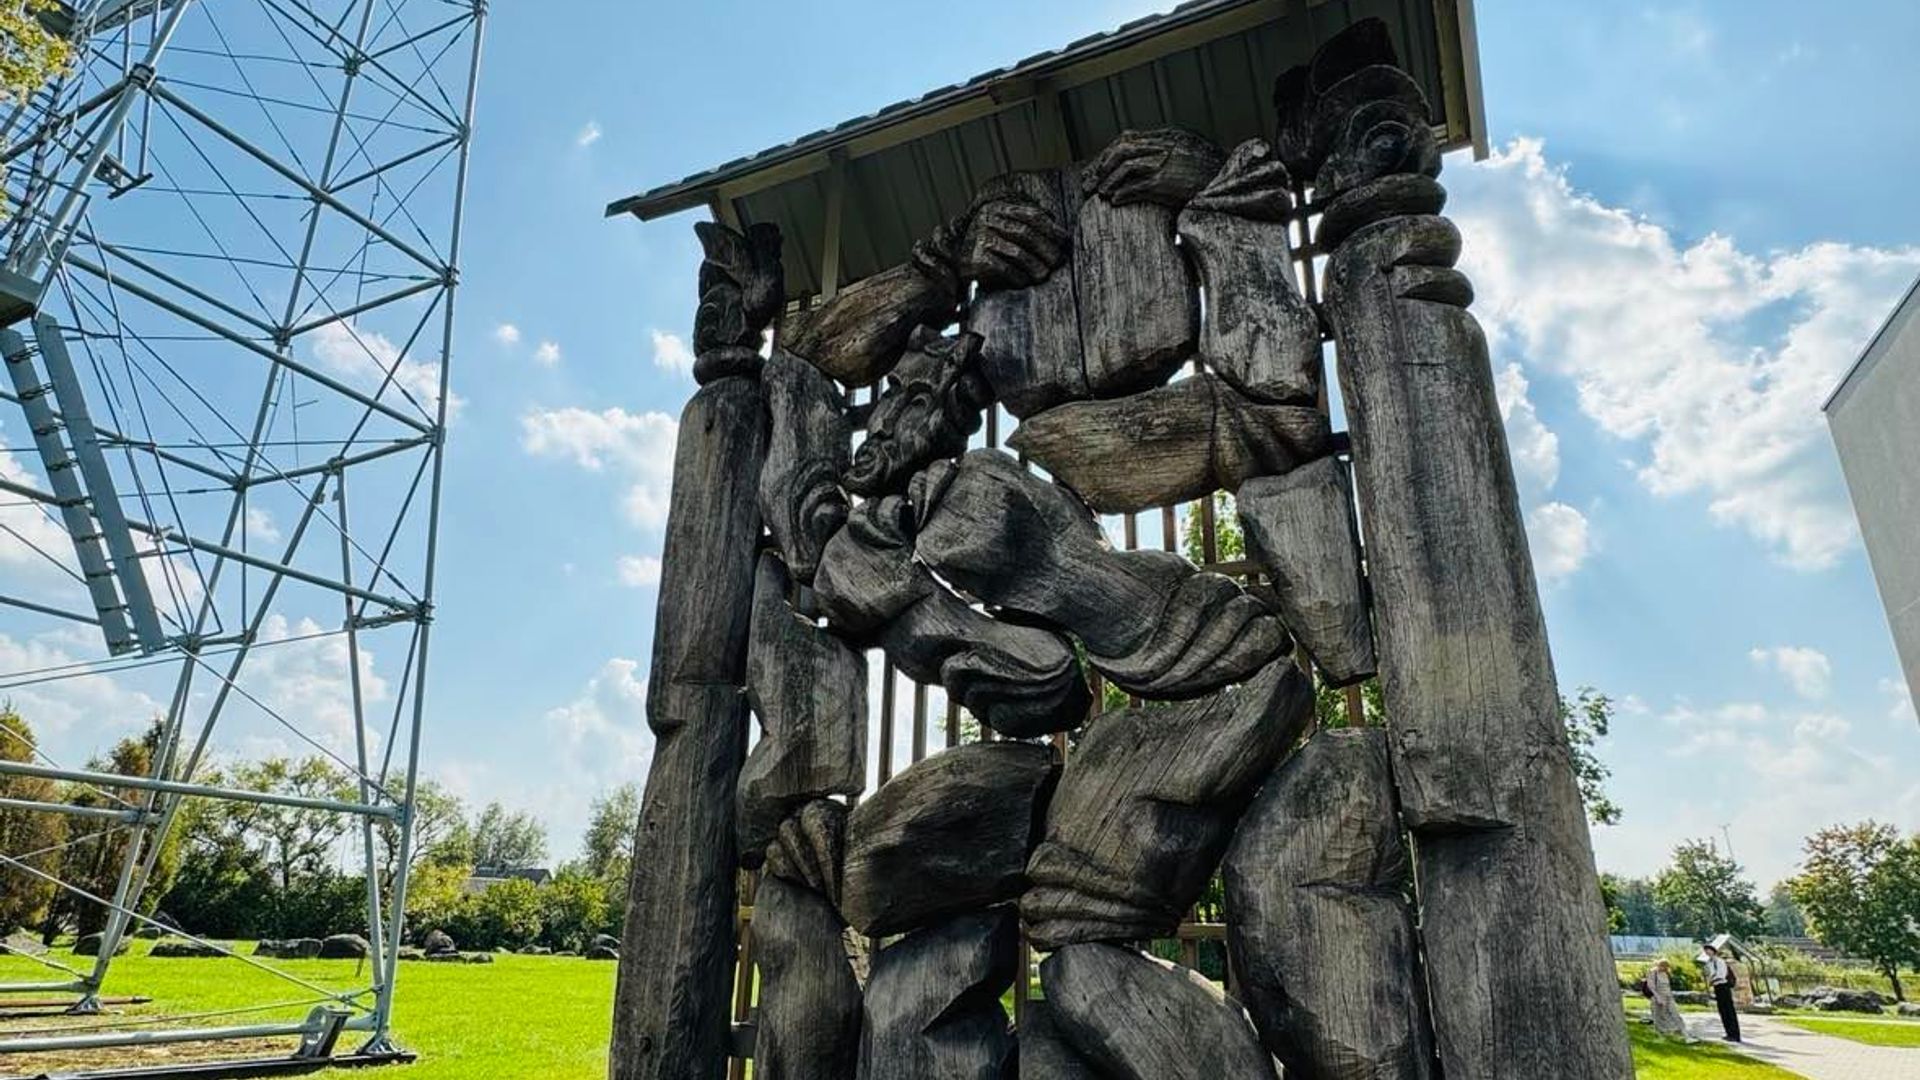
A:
[178,787]
[383,1004]
[374,937]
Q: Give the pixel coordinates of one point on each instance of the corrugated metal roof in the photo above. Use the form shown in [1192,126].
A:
[1207,65]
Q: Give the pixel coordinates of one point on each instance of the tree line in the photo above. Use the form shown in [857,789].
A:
[1857,892]
[232,870]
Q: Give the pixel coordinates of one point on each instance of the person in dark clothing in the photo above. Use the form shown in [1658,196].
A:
[1720,977]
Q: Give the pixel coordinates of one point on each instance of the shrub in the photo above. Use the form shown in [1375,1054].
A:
[573,908]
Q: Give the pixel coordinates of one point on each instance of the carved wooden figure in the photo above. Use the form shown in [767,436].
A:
[807,451]
[810,847]
[931,405]
[807,1026]
[1170,445]
[809,690]
[742,284]
[1258,333]
[1018,680]
[950,834]
[1138,1018]
[1480,754]
[1321,933]
[671,1006]
[1030,336]
[1045,1053]
[1299,528]
[1149,620]
[933,1002]
[1147,805]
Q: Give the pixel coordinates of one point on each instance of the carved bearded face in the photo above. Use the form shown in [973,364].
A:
[931,405]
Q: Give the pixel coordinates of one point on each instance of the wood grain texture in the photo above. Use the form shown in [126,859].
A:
[1139,305]
[930,406]
[807,450]
[1138,1018]
[671,1011]
[807,1026]
[1257,331]
[1151,621]
[1045,1053]
[809,690]
[1147,805]
[1300,529]
[858,336]
[713,531]
[1018,680]
[1030,337]
[1512,914]
[933,1003]
[1320,931]
[742,283]
[950,834]
[1170,445]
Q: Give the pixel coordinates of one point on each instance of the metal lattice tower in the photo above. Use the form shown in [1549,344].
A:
[230,258]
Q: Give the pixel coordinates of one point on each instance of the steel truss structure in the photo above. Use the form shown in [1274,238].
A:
[230,256]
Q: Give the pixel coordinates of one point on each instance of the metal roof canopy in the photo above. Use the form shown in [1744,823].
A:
[852,199]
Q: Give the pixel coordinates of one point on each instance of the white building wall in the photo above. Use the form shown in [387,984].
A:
[1875,419]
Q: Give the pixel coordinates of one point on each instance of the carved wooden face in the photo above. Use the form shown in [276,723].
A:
[931,405]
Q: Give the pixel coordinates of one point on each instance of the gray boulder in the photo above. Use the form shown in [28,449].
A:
[344,947]
[1907,1008]
[182,948]
[602,952]
[1835,999]
[437,942]
[89,945]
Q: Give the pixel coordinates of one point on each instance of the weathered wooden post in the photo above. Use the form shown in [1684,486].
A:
[670,1012]
[1511,917]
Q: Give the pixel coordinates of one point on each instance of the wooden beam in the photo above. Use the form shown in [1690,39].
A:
[836,214]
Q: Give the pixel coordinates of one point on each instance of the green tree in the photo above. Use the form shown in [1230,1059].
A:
[1860,889]
[30,54]
[93,864]
[31,836]
[506,914]
[1784,917]
[440,834]
[1706,893]
[1610,888]
[502,839]
[295,842]
[1588,717]
[607,847]
[573,908]
[1639,908]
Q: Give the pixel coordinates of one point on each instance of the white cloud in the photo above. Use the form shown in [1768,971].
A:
[81,704]
[1806,669]
[639,445]
[589,134]
[30,573]
[1712,360]
[261,528]
[1560,539]
[639,571]
[1558,534]
[307,680]
[1771,774]
[670,353]
[366,357]
[1900,697]
[507,334]
[547,355]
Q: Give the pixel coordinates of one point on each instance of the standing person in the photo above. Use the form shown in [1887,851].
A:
[1666,1014]
[1720,977]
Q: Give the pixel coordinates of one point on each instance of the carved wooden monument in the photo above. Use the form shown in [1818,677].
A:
[1405,902]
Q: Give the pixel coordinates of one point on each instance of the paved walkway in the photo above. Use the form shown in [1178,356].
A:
[1818,1057]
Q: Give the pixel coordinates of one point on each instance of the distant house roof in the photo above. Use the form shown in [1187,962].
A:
[889,178]
[486,877]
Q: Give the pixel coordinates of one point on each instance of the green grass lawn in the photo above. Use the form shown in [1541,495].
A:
[1656,1057]
[1871,1032]
[526,1016]
[519,1016]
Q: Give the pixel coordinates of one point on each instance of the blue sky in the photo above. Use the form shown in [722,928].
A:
[1695,217]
